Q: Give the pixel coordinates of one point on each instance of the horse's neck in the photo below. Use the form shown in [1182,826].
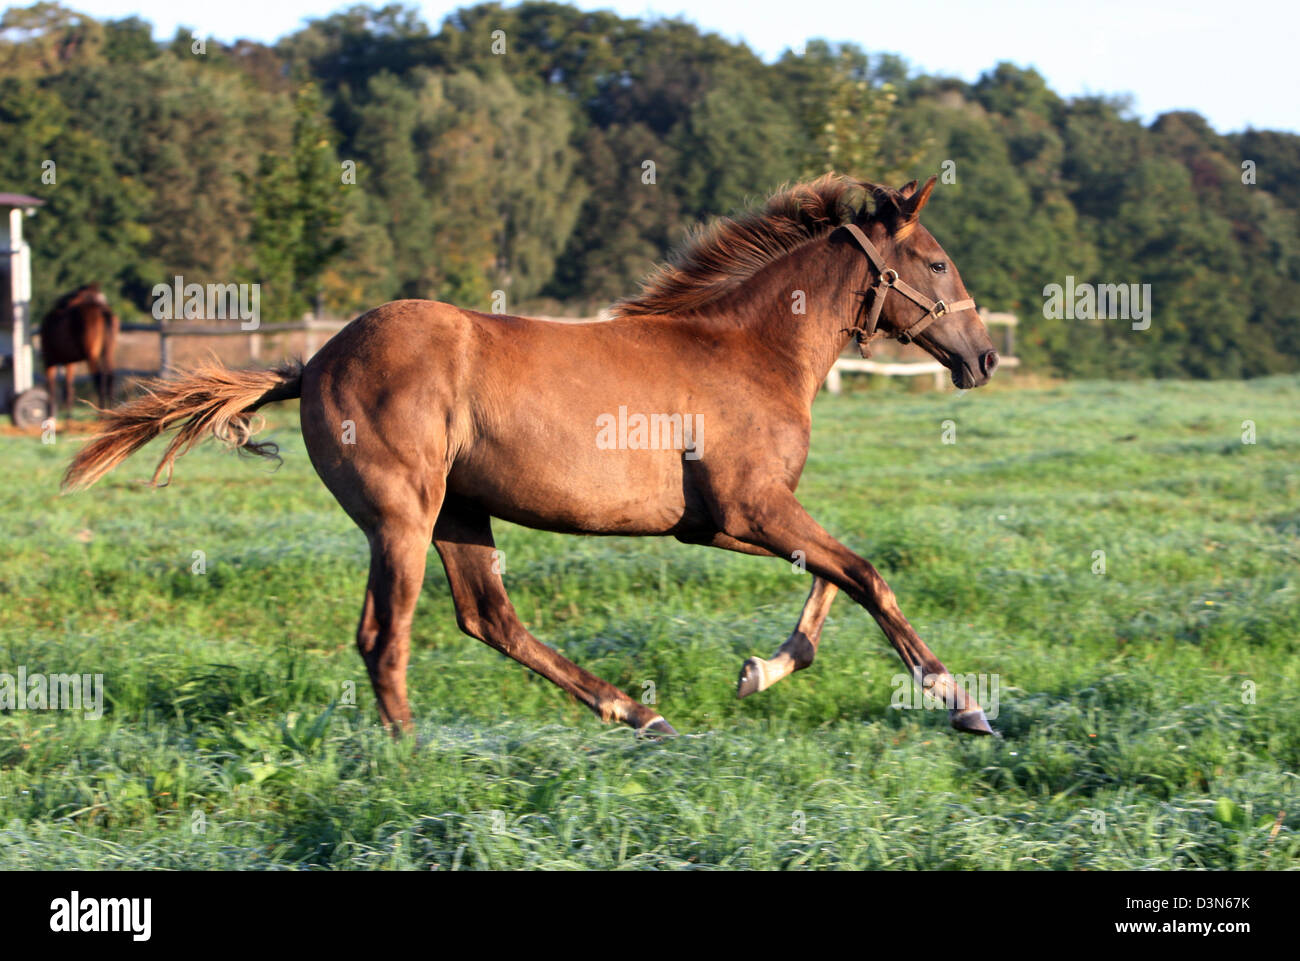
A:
[799,308]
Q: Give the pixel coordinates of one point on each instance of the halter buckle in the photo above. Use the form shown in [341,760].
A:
[939,309]
[885,279]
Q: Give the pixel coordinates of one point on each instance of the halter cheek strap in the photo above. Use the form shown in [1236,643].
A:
[887,279]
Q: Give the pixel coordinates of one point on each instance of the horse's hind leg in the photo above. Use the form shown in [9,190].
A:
[109,376]
[463,537]
[799,648]
[397,556]
[52,388]
[102,372]
[96,378]
[108,364]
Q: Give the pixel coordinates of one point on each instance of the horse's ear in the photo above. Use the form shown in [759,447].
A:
[885,198]
[907,189]
[914,201]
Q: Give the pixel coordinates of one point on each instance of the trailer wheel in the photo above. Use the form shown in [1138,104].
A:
[31,408]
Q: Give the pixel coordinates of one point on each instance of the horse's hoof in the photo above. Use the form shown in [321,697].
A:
[658,728]
[972,721]
[751,677]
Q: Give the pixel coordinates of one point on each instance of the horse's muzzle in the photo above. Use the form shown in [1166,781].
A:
[967,375]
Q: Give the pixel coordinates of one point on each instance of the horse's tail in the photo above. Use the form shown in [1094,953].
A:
[209,399]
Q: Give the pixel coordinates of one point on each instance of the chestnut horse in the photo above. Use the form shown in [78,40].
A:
[427,420]
[80,326]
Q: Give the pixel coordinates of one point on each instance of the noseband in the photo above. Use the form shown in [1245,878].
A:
[887,279]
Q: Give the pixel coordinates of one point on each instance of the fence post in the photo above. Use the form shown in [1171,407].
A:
[164,348]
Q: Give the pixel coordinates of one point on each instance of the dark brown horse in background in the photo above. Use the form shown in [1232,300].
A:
[80,326]
[426,421]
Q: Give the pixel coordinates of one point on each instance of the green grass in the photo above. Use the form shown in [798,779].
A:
[1128,743]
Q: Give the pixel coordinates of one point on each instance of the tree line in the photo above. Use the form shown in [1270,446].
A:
[548,157]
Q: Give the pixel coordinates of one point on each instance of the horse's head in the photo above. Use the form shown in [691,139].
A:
[917,293]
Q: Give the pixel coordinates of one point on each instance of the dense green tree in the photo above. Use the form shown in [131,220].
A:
[630,218]
[556,154]
[91,228]
[846,114]
[388,169]
[736,147]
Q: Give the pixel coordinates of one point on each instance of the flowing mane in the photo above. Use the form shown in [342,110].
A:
[719,257]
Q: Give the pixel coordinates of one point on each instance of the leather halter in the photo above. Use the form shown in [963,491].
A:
[887,279]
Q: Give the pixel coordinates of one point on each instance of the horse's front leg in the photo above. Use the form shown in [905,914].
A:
[772,518]
[799,648]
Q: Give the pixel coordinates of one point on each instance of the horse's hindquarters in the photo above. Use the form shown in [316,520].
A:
[376,417]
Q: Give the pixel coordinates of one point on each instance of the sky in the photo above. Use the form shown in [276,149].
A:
[1232,63]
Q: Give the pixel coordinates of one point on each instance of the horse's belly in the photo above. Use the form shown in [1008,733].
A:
[575,488]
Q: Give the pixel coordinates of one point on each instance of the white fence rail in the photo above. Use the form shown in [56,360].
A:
[860,365]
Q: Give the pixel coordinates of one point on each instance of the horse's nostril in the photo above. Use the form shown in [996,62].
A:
[989,363]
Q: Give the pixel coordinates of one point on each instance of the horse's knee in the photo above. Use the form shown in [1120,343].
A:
[479,621]
[470,623]
[488,619]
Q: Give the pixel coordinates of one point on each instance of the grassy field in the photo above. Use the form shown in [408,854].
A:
[1151,713]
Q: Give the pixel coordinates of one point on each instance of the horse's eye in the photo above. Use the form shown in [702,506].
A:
[938,267]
